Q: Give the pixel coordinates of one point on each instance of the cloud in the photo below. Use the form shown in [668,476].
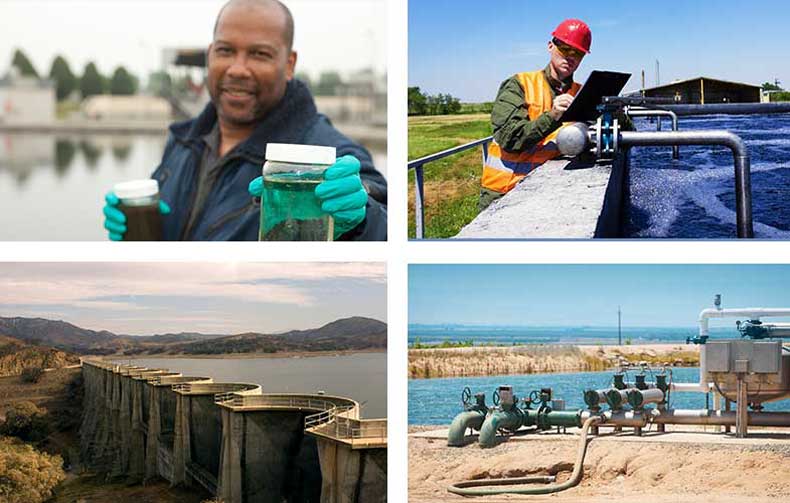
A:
[114,286]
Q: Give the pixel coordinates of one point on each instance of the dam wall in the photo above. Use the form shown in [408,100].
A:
[238,443]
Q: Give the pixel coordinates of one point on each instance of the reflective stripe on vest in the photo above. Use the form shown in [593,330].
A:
[503,170]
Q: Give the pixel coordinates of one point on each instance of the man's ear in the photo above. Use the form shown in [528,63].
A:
[208,54]
[291,65]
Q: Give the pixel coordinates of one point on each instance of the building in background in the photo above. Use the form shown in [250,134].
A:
[138,107]
[26,100]
[705,90]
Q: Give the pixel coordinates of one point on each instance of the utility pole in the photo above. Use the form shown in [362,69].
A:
[619,328]
[658,74]
[643,82]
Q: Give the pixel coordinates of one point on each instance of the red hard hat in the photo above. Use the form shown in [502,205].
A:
[575,33]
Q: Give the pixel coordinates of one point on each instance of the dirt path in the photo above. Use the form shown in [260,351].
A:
[693,467]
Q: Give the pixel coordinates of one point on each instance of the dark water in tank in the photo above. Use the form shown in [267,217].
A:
[694,197]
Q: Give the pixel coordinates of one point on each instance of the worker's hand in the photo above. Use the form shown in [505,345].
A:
[342,195]
[560,105]
[115,220]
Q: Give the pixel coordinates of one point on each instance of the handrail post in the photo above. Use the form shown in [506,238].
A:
[419,203]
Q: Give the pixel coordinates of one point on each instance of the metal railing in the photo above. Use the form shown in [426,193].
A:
[418,164]
[336,423]
[309,402]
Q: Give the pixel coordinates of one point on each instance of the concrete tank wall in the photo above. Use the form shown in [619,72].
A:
[243,446]
[562,199]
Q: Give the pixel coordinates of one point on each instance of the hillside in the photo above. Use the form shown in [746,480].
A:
[348,334]
[16,356]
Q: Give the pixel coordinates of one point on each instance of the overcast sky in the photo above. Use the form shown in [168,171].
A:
[345,35]
[218,298]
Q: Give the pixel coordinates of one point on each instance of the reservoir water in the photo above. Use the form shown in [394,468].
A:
[694,197]
[52,186]
[361,376]
[437,401]
[508,335]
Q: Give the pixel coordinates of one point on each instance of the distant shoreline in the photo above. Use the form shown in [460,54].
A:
[242,356]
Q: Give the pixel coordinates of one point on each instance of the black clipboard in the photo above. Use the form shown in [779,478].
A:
[598,85]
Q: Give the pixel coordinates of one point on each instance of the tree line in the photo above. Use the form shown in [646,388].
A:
[90,83]
[122,82]
[428,104]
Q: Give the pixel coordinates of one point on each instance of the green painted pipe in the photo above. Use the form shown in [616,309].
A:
[616,398]
[594,398]
[467,419]
[478,487]
[510,420]
[545,420]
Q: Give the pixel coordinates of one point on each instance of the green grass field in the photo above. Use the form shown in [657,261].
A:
[452,185]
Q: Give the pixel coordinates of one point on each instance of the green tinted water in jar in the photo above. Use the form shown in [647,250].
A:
[290,211]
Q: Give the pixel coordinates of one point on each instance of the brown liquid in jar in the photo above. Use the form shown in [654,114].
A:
[143,223]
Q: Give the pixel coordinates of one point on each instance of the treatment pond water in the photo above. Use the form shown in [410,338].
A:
[437,401]
[360,376]
[694,197]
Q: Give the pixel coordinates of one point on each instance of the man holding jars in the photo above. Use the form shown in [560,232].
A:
[209,178]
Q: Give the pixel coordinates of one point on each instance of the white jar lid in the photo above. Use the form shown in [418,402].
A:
[301,154]
[136,188]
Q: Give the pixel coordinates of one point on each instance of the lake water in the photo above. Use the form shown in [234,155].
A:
[438,401]
[52,187]
[361,376]
[694,197]
[507,335]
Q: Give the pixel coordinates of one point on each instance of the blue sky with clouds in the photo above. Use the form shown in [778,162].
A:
[468,47]
[217,298]
[588,295]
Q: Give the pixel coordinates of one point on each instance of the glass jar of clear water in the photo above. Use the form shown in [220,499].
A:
[290,210]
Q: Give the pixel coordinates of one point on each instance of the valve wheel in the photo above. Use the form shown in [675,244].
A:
[495,397]
[466,395]
[534,396]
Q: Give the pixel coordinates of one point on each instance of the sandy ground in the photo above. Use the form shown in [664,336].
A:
[687,465]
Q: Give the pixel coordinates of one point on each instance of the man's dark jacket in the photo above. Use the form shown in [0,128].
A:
[230,213]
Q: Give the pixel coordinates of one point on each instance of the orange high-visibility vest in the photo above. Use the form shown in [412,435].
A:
[503,170]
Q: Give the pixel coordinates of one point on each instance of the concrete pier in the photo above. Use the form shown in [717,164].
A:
[562,199]
[230,438]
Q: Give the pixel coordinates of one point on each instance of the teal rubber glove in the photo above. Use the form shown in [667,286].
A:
[341,194]
[115,220]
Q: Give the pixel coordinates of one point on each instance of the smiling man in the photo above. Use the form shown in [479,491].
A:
[209,177]
[527,111]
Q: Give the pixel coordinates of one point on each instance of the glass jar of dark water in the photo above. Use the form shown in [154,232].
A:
[290,210]
[139,201]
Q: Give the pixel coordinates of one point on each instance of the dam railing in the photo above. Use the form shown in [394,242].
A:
[336,423]
[418,166]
